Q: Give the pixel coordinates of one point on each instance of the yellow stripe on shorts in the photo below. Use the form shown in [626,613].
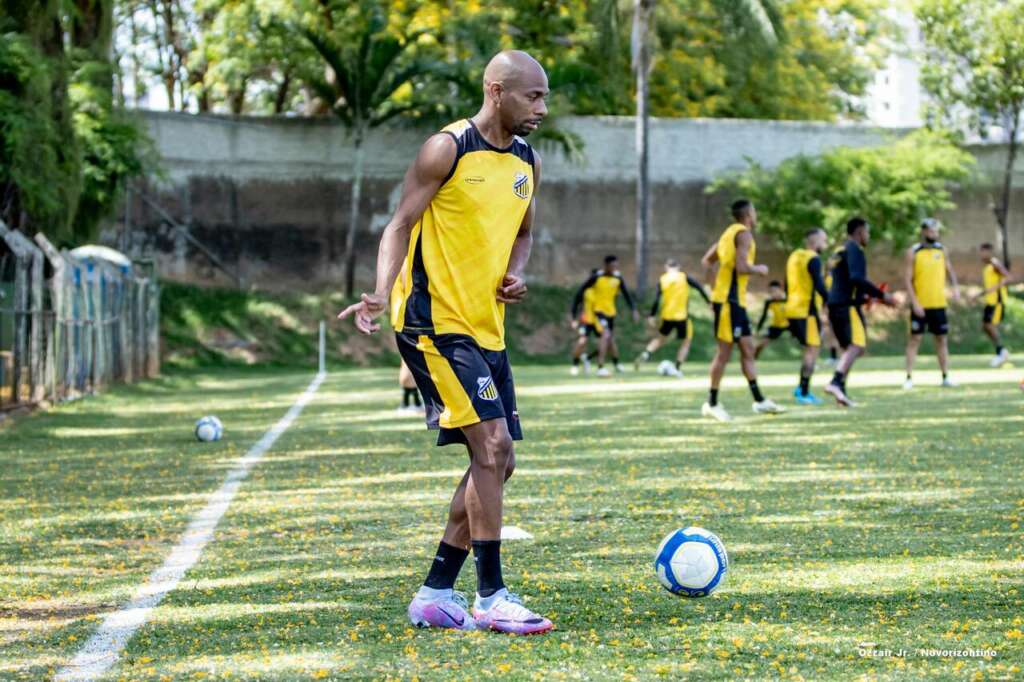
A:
[724,331]
[458,408]
[857,335]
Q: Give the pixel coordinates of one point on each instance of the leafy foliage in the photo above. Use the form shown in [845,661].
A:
[894,186]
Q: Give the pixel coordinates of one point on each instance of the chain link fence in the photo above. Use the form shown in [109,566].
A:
[71,324]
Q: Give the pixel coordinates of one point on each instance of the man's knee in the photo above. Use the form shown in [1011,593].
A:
[498,453]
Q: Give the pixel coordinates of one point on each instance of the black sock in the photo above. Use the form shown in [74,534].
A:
[832,352]
[805,385]
[943,376]
[445,569]
[839,379]
[409,393]
[575,362]
[416,398]
[615,359]
[713,397]
[999,349]
[679,365]
[487,554]
[755,391]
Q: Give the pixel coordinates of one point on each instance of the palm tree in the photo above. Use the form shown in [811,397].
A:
[367,63]
[761,18]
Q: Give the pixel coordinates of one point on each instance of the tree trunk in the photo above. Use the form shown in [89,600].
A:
[641,63]
[1003,212]
[281,98]
[353,216]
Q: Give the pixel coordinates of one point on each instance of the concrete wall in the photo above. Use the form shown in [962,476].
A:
[271,196]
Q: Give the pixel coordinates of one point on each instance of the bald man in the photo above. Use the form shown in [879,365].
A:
[450,259]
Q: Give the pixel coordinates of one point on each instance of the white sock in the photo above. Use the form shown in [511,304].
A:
[433,594]
[485,603]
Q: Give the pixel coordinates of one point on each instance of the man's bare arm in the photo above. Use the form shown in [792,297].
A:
[743,241]
[513,284]
[422,181]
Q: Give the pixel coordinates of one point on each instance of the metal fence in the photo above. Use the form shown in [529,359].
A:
[72,326]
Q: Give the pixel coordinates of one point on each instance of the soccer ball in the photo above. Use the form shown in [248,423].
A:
[209,429]
[665,368]
[691,562]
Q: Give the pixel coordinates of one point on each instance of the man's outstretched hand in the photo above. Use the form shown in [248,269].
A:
[512,289]
[365,312]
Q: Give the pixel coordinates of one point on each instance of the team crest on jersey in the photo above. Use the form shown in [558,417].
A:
[486,389]
[521,185]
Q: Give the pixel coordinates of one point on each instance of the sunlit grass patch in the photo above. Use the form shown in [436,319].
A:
[896,525]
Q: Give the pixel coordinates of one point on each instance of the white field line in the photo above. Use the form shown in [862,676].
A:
[102,651]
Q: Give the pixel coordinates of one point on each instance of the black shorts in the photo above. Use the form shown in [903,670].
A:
[993,314]
[776,332]
[682,328]
[806,330]
[607,321]
[589,330]
[848,325]
[731,321]
[934,322]
[462,384]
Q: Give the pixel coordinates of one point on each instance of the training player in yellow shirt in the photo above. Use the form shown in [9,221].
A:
[805,294]
[460,239]
[587,325]
[734,254]
[607,284]
[671,308]
[774,313]
[994,278]
[927,266]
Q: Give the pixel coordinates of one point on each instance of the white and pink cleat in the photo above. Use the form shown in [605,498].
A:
[504,612]
[441,609]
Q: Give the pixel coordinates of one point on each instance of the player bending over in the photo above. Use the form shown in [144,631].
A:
[670,311]
[774,313]
[462,230]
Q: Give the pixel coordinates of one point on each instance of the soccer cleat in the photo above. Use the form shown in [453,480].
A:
[767,406]
[507,614]
[447,610]
[1000,358]
[586,364]
[619,368]
[837,392]
[604,372]
[677,373]
[949,383]
[807,399]
[575,371]
[715,412]
[908,384]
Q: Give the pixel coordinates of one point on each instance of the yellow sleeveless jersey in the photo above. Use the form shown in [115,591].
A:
[606,289]
[777,314]
[459,251]
[801,299]
[990,277]
[929,277]
[729,284]
[675,296]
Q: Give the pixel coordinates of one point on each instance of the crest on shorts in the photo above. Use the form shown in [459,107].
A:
[521,185]
[486,389]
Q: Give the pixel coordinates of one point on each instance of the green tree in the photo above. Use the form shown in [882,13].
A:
[974,72]
[894,186]
[65,150]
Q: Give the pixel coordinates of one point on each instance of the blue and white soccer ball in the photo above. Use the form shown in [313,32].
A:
[209,429]
[691,562]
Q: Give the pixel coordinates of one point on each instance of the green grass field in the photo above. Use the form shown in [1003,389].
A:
[893,526]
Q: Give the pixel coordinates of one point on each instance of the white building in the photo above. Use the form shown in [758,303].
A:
[895,98]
